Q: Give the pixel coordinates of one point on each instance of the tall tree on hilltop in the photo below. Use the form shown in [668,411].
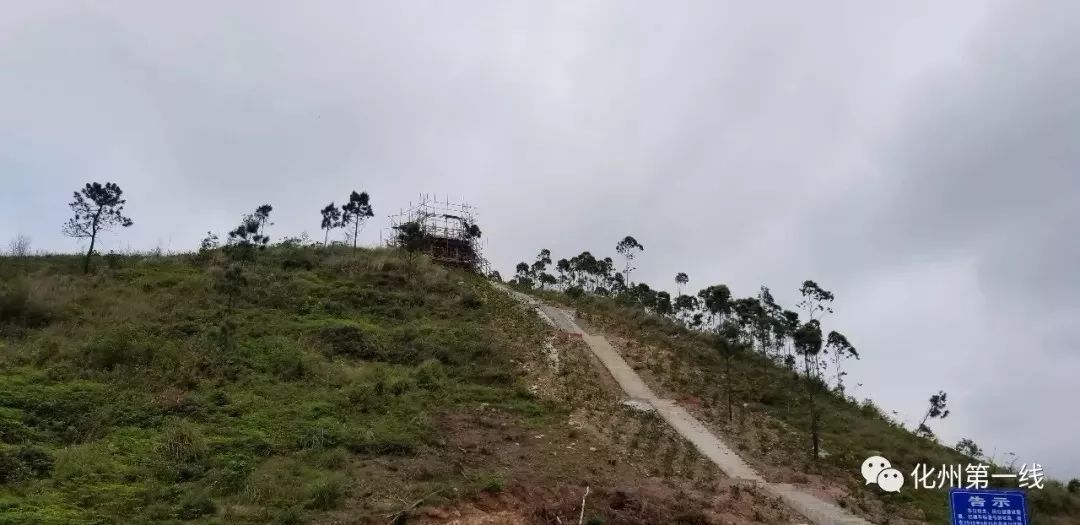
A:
[249,236]
[563,267]
[663,303]
[331,218]
[546,279]
[626,248]
[727,347]
[744,312]
[840,348]
[680,280]
[684,308]
[716,300]
[356,211]
[538,270]
[817,301]
[262,216]
[938,409]
[97,208]
[585,267]
[808,344]
[523,274]
[784,326]
[773,318]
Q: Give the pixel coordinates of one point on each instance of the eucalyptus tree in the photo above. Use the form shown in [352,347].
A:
[606,275]
[539,268]
[840,348]
[808,344]
[716,300]
[773,317]
[663,304]
[96,208]
[784,326]
[616,282]
[684,308]
[543,260]
[585,269]
[628,248]
[727,347]
[681,279]
[546,279]
[643,296]
[744,314]
[817,301]
[563,267]
[523,274]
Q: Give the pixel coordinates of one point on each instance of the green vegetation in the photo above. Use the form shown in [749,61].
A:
[772,421]
[192,388]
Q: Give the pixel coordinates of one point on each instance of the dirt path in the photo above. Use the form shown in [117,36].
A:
[813,508]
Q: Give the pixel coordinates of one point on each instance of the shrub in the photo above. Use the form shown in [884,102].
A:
[575,292]
[326,494]
[183,441]
[195,504]
[298,260]
[470,300]
[12,429]
[112,260]
[430,373]
[23,463]
[17,307]
[322,435]
[119,348]
[492,485]
[348,339]
[290,516]
[334,459]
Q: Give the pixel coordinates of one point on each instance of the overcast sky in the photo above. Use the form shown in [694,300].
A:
[919,159]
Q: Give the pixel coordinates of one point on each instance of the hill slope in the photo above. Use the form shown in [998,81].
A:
[318,386]
[770,419]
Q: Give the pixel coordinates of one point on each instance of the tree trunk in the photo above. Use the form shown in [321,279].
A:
[93,239]
[326,238]
[90,252]
[356,230]
[814,433]
[727,376]
[814,438]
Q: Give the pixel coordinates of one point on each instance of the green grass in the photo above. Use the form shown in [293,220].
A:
[135,394]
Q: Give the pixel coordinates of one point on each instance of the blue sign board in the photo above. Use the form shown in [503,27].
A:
[979,507]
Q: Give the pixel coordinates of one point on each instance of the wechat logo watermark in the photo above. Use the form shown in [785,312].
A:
[878,470]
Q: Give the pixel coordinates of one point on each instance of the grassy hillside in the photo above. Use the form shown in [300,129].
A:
[316,386]
[771,420]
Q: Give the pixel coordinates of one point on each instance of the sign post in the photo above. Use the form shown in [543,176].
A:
[981,506]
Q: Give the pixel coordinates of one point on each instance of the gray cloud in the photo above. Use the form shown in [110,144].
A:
[917,158]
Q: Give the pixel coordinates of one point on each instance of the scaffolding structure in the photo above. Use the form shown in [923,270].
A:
[446,231]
